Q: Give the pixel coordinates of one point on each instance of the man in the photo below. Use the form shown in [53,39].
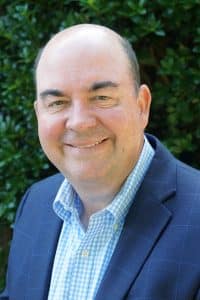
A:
[122,221]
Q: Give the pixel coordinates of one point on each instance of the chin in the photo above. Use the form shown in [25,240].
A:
[78,174]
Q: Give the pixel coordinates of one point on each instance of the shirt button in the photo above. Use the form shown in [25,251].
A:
[116,226]
[85,253]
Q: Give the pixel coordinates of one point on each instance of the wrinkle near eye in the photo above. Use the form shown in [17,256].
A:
[104,101]
[53,105]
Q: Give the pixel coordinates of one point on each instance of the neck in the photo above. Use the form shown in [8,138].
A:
[92,204]
[95,197]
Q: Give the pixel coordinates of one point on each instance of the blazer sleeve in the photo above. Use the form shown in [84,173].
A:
[4,295]
[197,295]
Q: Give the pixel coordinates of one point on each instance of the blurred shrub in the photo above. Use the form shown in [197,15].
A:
[166,37]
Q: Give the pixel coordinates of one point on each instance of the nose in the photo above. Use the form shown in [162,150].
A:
[80,117]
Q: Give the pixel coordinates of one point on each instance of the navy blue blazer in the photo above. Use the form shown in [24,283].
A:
[158,253]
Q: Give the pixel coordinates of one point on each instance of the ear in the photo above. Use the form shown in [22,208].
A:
[144,103]
[36,107]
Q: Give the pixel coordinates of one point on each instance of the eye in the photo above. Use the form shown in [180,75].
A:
[104,101]
[56,103]
[101,97]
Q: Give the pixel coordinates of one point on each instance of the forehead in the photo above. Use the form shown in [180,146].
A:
[80,60]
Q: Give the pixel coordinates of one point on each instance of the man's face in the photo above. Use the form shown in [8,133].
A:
[90,118]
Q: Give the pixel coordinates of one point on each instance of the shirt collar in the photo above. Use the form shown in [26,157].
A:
[120,205]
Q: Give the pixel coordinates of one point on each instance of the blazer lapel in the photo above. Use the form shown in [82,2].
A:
[145,222]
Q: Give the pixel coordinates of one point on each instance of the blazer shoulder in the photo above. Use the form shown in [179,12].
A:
[40,193]
[168,167]
[51,182]
[187,176]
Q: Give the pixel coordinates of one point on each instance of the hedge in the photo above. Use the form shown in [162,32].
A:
[166,37]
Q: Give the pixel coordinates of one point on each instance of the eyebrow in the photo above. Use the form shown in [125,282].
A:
[51,92]
[95,86]
[102,84]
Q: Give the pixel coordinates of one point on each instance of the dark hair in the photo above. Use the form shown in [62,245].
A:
[132,58]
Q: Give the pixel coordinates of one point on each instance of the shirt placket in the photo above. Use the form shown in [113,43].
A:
[82,265]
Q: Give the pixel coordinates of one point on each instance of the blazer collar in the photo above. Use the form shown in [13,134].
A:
[145,222]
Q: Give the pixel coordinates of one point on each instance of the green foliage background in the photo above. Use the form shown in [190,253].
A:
[166,37]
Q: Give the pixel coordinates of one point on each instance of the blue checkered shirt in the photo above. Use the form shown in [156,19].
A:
[82,256]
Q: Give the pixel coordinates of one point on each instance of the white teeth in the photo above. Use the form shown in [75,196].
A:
[89,146]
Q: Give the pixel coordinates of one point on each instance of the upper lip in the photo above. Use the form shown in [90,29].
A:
[85,144]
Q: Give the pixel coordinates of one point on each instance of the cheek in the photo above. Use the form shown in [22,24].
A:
[115,118]
[124,122]
[49,129]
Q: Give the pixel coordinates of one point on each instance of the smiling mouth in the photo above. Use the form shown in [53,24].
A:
[86,146]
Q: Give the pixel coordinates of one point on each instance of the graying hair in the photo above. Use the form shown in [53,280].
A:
[132,59]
